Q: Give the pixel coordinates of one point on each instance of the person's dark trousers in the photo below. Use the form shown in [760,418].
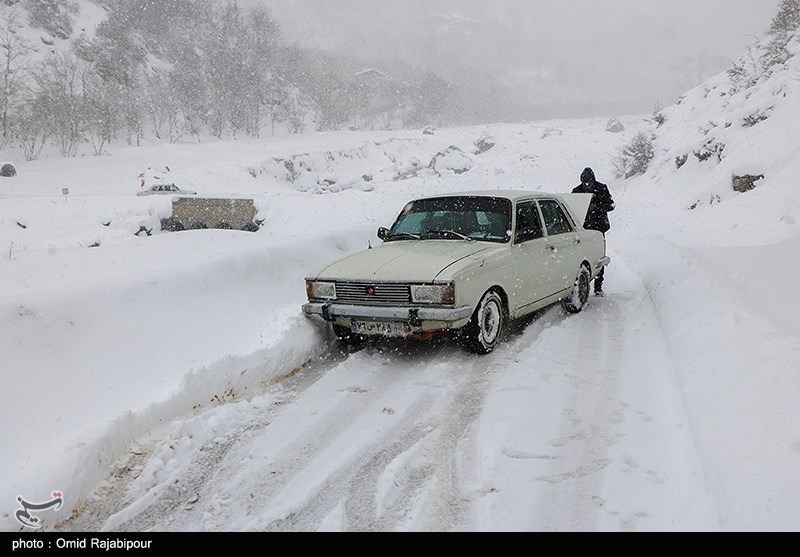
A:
[598,281]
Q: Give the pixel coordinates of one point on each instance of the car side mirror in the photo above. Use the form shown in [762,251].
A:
[383,233]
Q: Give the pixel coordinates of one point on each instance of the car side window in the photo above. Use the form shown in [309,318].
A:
[555,219]
[529,226]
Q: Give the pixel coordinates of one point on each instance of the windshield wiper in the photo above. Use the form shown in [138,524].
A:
[453,232]
[404,235]
[489,236]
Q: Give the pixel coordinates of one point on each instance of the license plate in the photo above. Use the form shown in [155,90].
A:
[383,328]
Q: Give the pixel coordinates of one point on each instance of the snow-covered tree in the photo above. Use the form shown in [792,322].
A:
[31,128]
[102,111]
[61,92]
[54,16]
[161,102]
[784,25]
[177,68]
[634,158]
[787,19]
[14,61]
[425,100]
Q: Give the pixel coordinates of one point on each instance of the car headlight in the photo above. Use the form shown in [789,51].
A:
[433,293]
[320,290]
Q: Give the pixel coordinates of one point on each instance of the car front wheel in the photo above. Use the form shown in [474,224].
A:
[576,301]
[482,333]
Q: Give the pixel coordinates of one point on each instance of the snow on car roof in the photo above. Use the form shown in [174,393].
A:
[506,194]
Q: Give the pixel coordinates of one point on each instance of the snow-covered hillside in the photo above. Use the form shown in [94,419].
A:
[734,125]
[55,29]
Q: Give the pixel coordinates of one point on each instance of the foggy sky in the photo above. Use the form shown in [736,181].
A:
[578,57]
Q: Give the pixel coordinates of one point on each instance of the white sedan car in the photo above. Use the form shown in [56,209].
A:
[466,262]
[165,189]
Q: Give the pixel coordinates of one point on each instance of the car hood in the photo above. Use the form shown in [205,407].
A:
[405,261]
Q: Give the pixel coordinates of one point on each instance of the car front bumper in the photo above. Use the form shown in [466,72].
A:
[418,317]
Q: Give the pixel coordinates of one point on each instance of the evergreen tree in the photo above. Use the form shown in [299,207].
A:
[784,24]
[787,19]
[55,16]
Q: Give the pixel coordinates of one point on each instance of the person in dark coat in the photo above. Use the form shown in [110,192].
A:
[597,217]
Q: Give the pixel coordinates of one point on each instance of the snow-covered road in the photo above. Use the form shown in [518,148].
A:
[397,437]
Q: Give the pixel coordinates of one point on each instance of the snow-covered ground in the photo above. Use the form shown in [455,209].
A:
[132,364]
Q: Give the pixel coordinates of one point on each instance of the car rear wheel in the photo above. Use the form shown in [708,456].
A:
[482,333]
[576,301]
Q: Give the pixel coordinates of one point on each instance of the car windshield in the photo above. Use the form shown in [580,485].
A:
[454,218]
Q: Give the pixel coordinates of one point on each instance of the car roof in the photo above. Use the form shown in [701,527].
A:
[513,195]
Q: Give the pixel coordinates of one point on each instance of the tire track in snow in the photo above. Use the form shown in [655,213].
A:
[280,477]
[405,477]
[588,348]
[432,469]
[270,475]
[114,508]
[623,439]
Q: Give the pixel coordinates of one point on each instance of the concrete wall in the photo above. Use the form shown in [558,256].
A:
[199,212]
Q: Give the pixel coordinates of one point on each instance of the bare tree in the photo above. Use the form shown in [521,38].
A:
[14,58]
[296,112]
[331,100]
[425,100]
[132,112]
[31,129]
[61,83]
[267,62]
[162,105]
[102,112]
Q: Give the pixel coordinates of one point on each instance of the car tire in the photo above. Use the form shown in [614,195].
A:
[576,301]
[171,224]
[482,333]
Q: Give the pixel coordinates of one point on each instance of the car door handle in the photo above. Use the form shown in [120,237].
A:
[554,249]
[576,241]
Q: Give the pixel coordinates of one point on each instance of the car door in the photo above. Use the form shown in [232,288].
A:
[561,244]
[531,257]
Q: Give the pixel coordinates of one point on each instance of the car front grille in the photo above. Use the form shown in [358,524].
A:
[387,294]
